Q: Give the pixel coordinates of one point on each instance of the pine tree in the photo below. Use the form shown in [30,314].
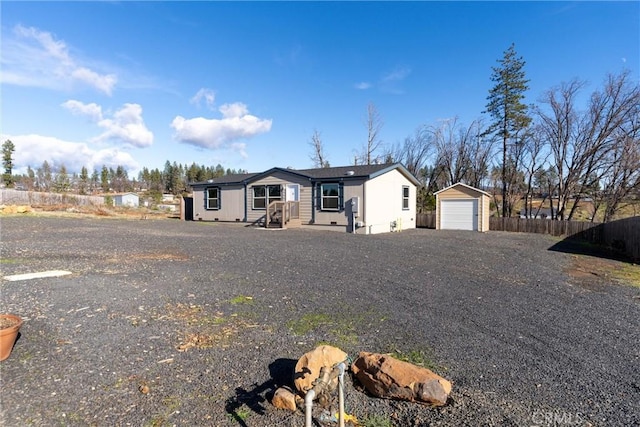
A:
[7,161]
[509,114]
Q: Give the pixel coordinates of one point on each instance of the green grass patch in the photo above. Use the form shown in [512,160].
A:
[420,357]
[241,299]
[340,328]
[240,415]
[376,421]
[628,274]
[6,261]
[309,322]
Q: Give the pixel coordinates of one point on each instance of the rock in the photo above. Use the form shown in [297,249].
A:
[387,377]
[308,367]
[284,398]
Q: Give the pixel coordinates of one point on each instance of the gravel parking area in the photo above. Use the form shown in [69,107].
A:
[164,322]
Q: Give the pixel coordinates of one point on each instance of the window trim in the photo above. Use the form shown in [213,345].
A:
[406,199]
[207,199]
[267,199]
[336,197]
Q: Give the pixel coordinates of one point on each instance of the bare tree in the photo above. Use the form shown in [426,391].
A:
[415,150]
[453,144]
[624,175]
[319,158]
[374,124]
[480,155]
[582,142]
[535,159]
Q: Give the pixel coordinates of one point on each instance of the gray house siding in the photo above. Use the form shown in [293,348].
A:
[231,203]
[282,179]
[351,188]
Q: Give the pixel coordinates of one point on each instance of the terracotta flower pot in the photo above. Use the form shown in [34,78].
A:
[9,327]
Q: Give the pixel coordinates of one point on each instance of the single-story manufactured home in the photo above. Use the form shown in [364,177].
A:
[462,207]
[364,199]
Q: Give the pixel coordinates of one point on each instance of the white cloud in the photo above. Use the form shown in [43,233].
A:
[237,109]
[33,150]
[125,125]
[236,124]
[363,85]
[35,58]
[128,126]
[94,111]
[241,148]
[208,95]
[397,74]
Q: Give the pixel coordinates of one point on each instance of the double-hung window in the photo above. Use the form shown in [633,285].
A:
[330,199]
[213,198]
[265,194]
[405,197]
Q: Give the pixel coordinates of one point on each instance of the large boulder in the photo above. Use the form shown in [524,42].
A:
[387,377]
[308,367]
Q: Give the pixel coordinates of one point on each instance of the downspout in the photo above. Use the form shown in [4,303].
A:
[246,214]
[313,202]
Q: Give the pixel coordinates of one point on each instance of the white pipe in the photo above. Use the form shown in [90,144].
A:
[311,395]
[308,405]
[341,367]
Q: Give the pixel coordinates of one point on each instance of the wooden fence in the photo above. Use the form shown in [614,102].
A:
[623,235]
[426,220]
[541,226]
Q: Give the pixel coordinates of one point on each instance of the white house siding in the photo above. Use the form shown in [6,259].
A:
[231,204]
[280,178]
[383,203]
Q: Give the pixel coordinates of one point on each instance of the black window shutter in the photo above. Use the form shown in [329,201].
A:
[318,196]
[341,197]
[219,191]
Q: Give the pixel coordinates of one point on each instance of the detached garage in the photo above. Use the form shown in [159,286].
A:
[461,207]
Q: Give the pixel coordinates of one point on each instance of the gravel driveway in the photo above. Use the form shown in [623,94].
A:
[165,322]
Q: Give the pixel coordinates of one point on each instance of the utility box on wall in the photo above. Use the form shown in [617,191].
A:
[355,205]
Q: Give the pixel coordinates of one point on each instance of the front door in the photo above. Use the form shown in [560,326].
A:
[293,193]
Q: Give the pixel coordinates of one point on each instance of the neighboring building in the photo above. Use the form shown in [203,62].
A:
[462,207]
[364,199]
[127,199]
[537,214]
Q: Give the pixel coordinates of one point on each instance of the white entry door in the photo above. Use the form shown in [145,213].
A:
[293,193]
[459,214]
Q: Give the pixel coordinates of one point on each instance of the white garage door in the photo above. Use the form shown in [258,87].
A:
[459,214]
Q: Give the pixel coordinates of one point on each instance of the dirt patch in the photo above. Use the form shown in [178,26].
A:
[595,274]
[159,257]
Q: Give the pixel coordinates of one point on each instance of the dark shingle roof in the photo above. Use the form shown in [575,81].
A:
[237,178]
[340,172]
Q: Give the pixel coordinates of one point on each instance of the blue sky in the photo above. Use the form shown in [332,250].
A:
[245,84]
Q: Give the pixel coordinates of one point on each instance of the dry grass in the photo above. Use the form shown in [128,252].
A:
[590,272]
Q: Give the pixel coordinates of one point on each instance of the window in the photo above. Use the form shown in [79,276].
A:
[330,200]
[213,198]
[265,194]
[405,197]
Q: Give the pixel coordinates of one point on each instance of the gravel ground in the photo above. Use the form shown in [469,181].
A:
[186,323]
